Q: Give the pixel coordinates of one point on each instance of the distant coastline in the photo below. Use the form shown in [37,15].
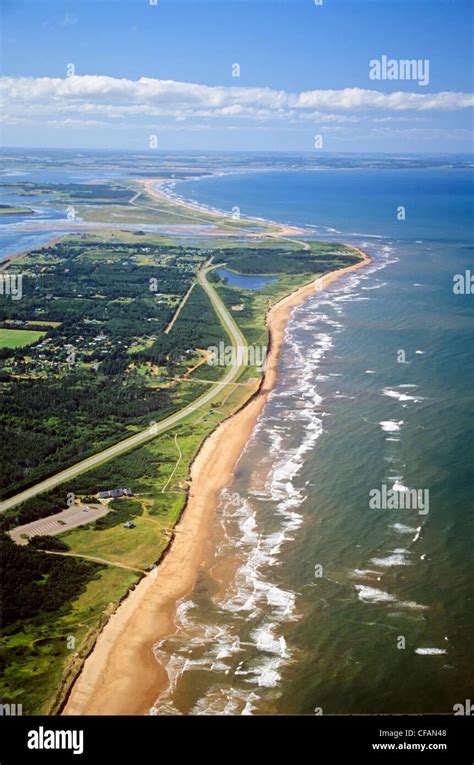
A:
[151,184]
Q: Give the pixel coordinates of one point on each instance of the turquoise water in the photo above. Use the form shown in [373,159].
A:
[244,281]
[311,599]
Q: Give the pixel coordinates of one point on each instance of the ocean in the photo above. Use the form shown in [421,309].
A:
[312,600]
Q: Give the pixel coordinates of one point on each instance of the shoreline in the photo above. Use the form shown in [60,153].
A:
[282,229]
[121,675]
[14,256]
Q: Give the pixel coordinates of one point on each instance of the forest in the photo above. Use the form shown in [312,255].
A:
[34,582]
[80,389]
[326,257]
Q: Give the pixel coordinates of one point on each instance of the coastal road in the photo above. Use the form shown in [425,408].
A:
[239,343]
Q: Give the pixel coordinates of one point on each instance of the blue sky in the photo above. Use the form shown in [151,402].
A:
[304,72]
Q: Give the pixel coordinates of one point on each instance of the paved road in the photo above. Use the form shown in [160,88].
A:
[74,516]
[238,341]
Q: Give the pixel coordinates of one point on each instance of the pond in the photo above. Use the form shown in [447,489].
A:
[245,281]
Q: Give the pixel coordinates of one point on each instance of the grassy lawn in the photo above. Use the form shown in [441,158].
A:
[19,338]
[137,547]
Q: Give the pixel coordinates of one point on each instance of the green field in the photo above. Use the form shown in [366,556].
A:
[19,338]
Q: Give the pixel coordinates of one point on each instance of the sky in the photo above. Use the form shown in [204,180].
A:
[304,75]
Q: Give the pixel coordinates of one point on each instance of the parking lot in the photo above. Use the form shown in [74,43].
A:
[77,515]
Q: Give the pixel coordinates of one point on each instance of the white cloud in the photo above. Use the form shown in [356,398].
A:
[97,96]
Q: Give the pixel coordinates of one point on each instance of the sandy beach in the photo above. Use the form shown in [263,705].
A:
[122,676]
[280,229]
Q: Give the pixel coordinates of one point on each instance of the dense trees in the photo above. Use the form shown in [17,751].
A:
[35,582]
[47,542]
[327,257]
[197,327]
[48,425]
[81,391]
